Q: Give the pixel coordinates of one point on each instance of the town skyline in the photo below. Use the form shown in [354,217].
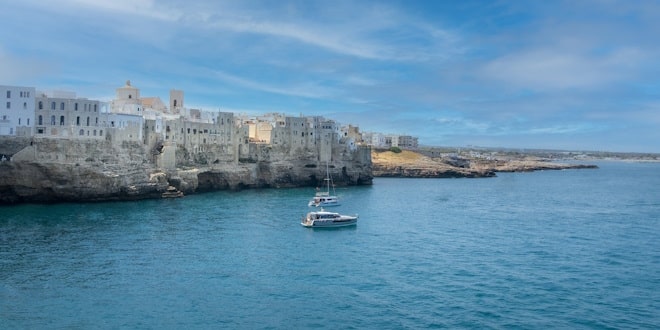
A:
[536,75]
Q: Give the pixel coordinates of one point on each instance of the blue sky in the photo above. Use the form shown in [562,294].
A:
[573,75]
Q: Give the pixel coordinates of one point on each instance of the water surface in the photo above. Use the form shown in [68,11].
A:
[559,249]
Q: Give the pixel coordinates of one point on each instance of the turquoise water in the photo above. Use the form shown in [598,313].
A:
[557,249]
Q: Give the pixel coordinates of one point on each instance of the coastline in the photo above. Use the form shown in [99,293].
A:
[414,164]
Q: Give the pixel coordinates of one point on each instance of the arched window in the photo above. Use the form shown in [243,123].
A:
[52,120]
[52,105]
[62,106]
[24,105]
[61,120]
[41,120]
[101,133]
[41,105]
[95,105]
[94,132]
[81,132]
[87,121]
[78,121]
[175,103]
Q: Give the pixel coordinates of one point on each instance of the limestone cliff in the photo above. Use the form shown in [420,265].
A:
[55,170]
[414,164]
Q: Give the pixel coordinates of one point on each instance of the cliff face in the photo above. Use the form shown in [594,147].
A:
[55,170]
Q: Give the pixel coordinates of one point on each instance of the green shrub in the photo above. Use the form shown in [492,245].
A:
[395,150]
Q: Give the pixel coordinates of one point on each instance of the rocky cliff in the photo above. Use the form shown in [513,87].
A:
[57,170]
[413,164]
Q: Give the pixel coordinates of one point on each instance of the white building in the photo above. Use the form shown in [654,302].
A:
[16,110]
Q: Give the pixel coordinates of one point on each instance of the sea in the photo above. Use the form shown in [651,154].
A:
[570,249]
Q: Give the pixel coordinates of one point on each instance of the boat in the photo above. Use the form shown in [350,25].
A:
[325,219]
[172,192]
[323,198]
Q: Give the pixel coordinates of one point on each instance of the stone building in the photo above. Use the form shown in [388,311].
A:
[16,110]
[175,135]
[62,115]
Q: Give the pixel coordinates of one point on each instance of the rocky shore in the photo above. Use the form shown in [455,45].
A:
[413,164]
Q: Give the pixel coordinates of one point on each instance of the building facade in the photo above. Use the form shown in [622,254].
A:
[17,110]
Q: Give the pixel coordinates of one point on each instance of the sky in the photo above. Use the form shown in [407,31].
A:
[569,75]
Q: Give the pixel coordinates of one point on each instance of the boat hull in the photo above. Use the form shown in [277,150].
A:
[323,204]
[324,219]
[329,224]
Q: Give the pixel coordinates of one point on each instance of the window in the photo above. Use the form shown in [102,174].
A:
[28,121]
[8,94]
[52,120]
[19,121]
[95,107]
[52,105]
[75,106]
[94,132]
[78,121]
[41,105]
[61,120]
[62,106]
[24,105]
[8,105]
[81,132]
[41,120]
[97,121]
[87,122]
[101,133]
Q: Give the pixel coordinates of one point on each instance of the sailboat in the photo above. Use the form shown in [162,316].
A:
[323,198]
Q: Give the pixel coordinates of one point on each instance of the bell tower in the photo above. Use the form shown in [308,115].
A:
[176,100]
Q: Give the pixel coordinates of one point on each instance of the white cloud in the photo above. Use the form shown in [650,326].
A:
[309,90]
[540,69]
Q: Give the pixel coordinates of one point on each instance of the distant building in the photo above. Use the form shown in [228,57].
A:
[16,110]
[380,140]
[407,142]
